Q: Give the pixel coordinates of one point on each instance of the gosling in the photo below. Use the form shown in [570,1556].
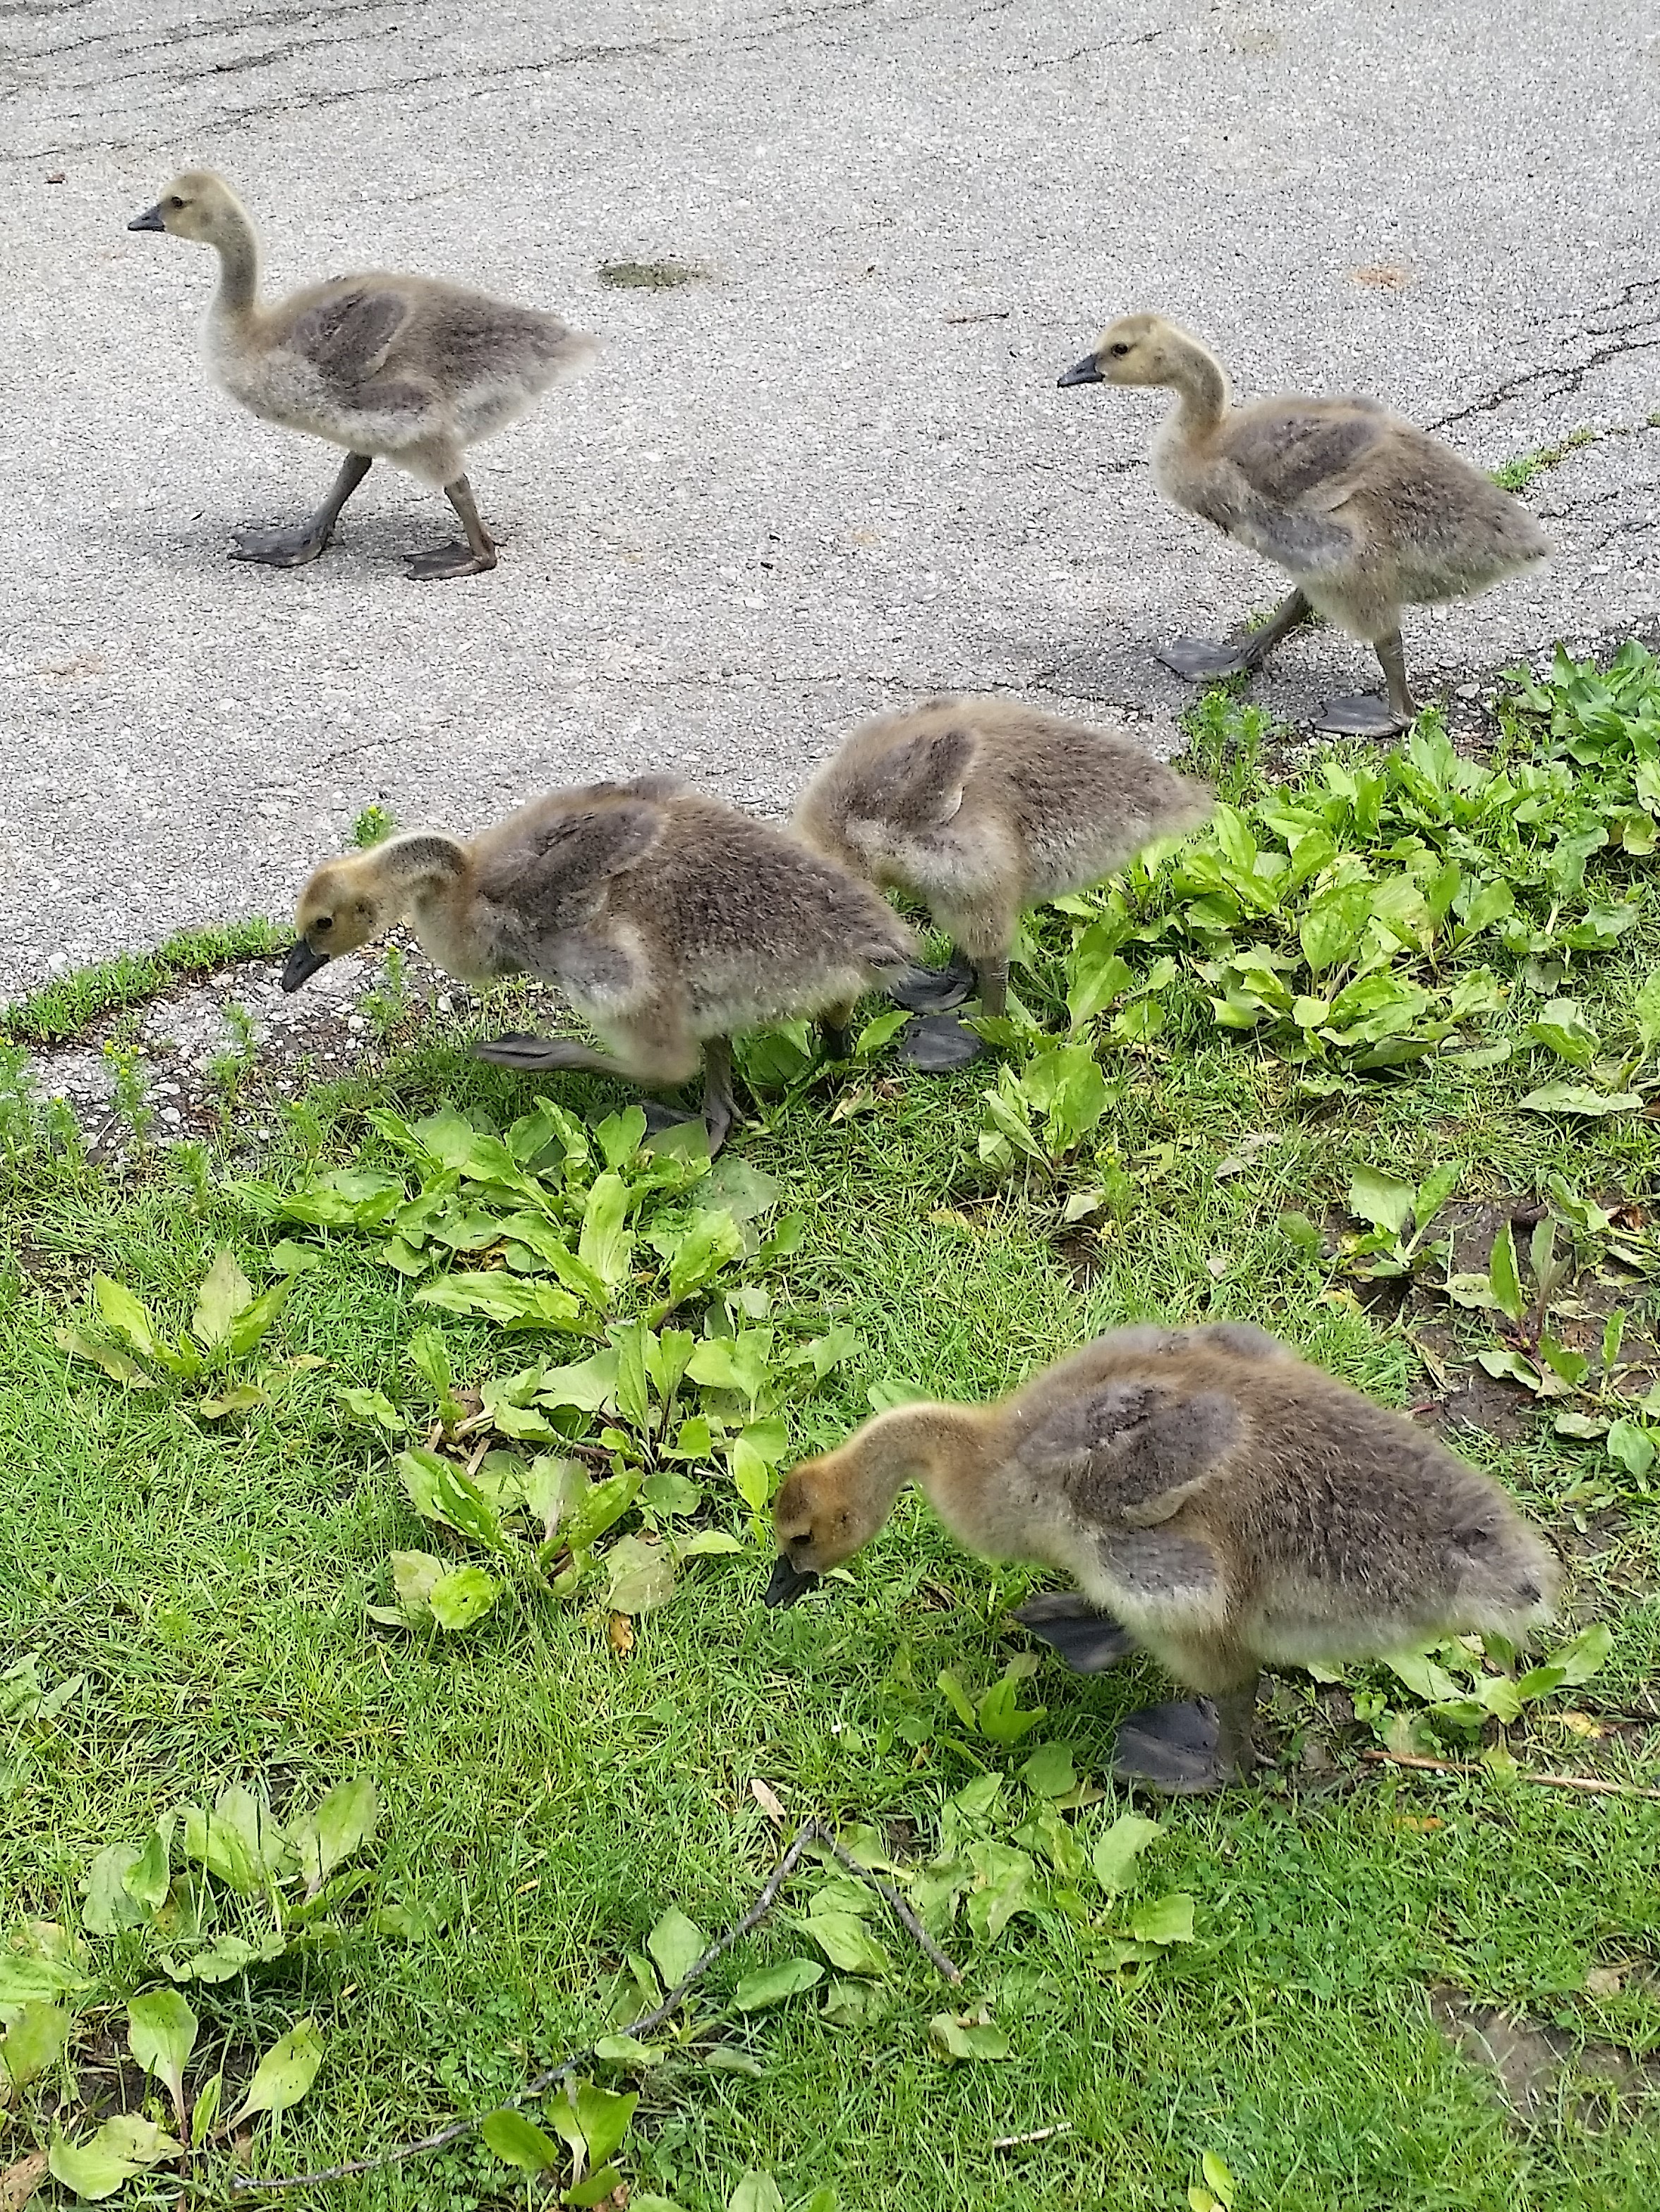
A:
[1219,1502]
[399,369]
[671,922]
[1367,514]
[981,808]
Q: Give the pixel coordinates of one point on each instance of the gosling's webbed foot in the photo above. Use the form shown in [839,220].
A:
[931,990]
[1174,1749]
[660,1117]
[525,1050]
[1204,660]
[1089,1641]
[938,1044]
[444,561]
[1364,715]
[279,545]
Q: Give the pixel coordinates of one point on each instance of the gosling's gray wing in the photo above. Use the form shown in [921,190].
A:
[555,873]
[1131,1452]
[347,335]
[918,785]
[1293,466]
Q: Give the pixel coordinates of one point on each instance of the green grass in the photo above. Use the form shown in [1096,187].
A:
[549,1799]
[63,1007]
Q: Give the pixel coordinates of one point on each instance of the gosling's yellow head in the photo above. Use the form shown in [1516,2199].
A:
[826,1510]
[1135,350]
[345,903]
[199,203]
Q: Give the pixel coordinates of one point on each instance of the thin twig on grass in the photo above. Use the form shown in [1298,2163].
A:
[1589,1782]
[1031,2135]
[814,1831]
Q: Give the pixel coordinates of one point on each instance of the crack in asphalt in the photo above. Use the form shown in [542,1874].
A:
[1571,376]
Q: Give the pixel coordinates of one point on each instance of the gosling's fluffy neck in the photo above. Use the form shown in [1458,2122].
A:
[237,245]
[428,879]
[1201,384]
[938,1447]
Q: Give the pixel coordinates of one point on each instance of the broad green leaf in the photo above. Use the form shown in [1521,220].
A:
[284,2074]
[92,2170]
[238,1841]
[1332,927]
[1580,1658]
[1422,1676]
[1502,1276]
[741,1362]
[999,1716]
[441,1491]
[249,1325]
[128,1316]
[512,1300]
[963,2039]
[372,1405]
[461,1597]
[1164,1920]
[677,1944]
[1632,1447]
[711,1241]
[1575,1098]
[359,1197]
[1048,1772]
[1004,1886]
[519,2142]
[147,1879]
[604,2116]
[32,2043]
[958,1697]
[619,1136]
[604,1244]
[241,1398]
[641,1576]
[878,1032]
[226,1292]
[110,1904]
[770,1985]
[1218,2176]
[846,1943]
[1117,1850]
[1381,1198]
[1561,1027]
[586,1386]
[115,1363]
[161,2035]
[756,2192]
[1096,975]
[597,2189]
[343,1824]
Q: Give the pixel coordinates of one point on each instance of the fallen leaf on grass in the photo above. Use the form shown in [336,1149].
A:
[19,2183]
[619,1634]
[967,2035]
[768,1799]
[1585,1724]
[1607,1981]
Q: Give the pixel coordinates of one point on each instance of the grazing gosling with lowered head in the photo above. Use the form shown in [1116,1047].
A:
[1368,514]
[400,368]
[981,808]
[670,921]
[1219,1502]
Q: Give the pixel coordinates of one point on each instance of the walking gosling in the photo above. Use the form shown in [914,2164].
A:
[400,368]
[1368,514]
[981,808]
[670,921]
[1219,1502]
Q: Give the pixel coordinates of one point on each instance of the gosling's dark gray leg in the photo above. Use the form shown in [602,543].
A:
[719,1104]
[1202,659]
[1191,1748]
[1366,715]
[469,560]
[290,545]
[940,1041]
[530,1053]
[837,1038]
[1090,1641]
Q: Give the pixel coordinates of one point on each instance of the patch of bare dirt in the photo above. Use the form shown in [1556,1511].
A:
[1543,2074]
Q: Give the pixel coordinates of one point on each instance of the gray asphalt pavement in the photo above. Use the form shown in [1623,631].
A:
[832,473]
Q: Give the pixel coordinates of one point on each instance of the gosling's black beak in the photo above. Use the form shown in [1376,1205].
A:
[150,219]
[788,1583]
[1081,372]
[301,964]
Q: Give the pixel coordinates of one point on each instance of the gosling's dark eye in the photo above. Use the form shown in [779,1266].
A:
[174,200]
[322,926]
[1118,351]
